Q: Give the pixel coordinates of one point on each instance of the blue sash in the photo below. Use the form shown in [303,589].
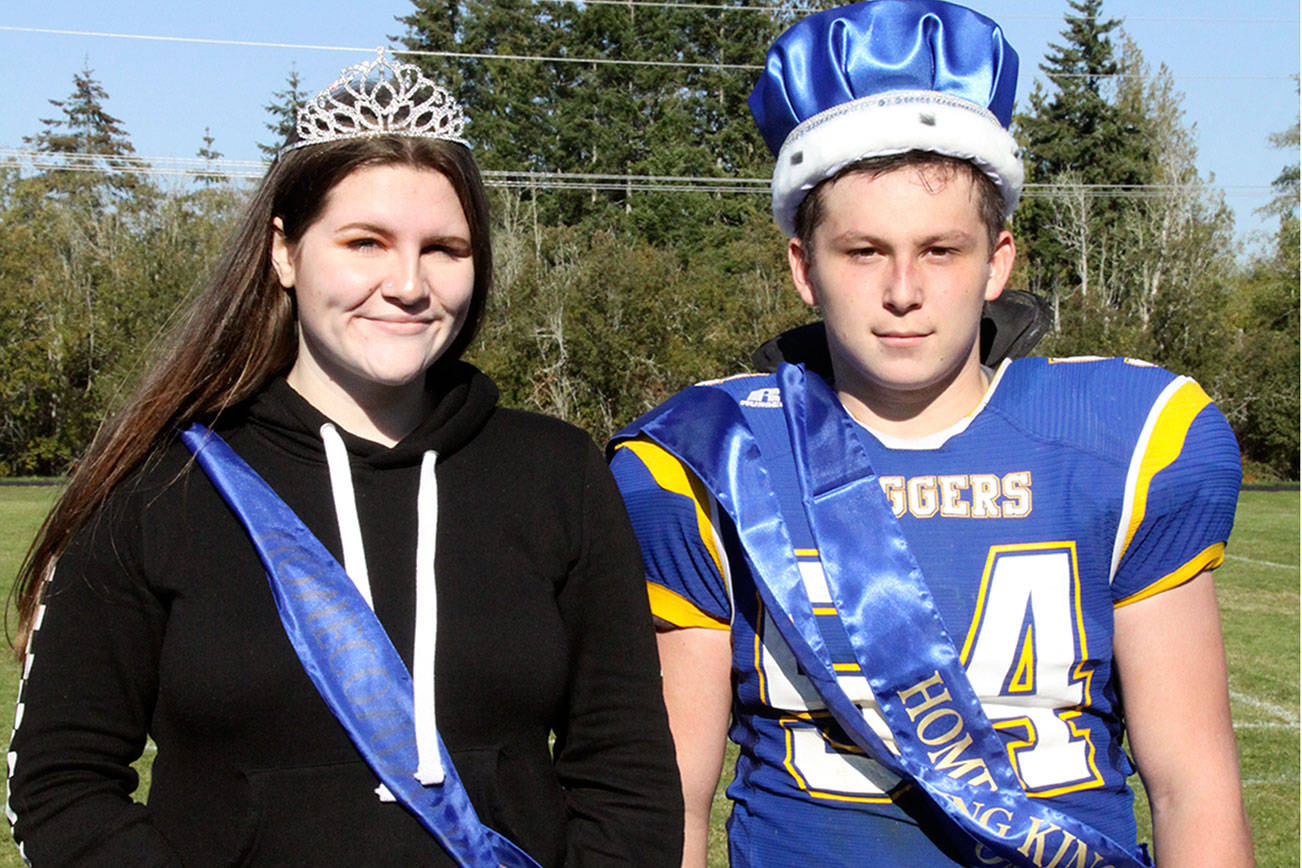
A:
[946,743]
[349,657]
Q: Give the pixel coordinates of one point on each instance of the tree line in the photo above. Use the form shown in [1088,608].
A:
[610,298]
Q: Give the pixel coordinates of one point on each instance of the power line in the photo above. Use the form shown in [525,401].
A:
[1133,191]
[1185,76]
[459,55]
[32,159]
[183,39]
[595,61]
[720,7]
[546,58]
[802,10]
[81,161]
[111,164]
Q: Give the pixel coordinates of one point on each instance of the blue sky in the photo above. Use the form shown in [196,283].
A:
[1232,65]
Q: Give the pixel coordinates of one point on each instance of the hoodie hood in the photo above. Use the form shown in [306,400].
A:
[463,399]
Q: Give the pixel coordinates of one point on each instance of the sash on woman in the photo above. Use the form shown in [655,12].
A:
[349,657]
[884,604]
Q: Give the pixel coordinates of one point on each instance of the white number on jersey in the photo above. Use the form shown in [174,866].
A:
[822,768]
[1021,657]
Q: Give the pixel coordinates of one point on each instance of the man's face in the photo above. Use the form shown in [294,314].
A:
[900,265]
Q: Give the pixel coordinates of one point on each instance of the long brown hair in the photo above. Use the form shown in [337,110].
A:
[239,330]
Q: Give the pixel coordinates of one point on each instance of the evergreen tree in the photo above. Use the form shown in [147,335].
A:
[1079,131]
[627,118]
[506,100]
[92,261]
[283,110]
[1103,145]
[91,139]
[1148,271]
[209,156]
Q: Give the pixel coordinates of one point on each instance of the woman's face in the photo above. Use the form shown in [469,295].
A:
[383,280]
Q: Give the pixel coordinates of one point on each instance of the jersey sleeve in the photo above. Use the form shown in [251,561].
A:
[672,516]
[1181,493]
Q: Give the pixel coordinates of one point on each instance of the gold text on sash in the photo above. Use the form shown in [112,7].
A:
[938,724]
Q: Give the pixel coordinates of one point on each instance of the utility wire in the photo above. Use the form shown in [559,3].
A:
[720,7]
[544,58]
[194,167]
[460,55]
[803,10]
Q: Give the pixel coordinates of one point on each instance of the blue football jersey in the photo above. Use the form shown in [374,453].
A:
[1076,487]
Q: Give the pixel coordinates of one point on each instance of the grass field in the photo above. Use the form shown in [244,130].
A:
[1258,589]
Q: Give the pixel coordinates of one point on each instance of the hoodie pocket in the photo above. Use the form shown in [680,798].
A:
[330,815]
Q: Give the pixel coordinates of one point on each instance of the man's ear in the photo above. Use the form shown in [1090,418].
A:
[281,259]
[1001,265]
[799,260]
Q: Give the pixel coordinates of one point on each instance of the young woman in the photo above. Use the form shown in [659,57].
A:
[490,545]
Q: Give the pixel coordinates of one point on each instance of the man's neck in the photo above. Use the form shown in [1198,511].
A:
[912,415]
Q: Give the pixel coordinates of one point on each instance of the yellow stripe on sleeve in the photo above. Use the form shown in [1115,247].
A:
[678,610]
[1208,559]
[1163,447]
[671,475]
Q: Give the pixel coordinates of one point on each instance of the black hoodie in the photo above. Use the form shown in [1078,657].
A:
[159,621]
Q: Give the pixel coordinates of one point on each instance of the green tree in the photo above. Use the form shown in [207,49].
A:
[1078,131]
[1175,243]
[62,230]
[82,299]
[624,116]
[1284,205]
[1143,267]
[209,155]
[93,143]
[283,110]
[608,300]
[507,100]
[1264,364]
[597,328]
[92,263]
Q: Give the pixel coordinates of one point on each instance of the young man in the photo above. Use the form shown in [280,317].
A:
[933,598]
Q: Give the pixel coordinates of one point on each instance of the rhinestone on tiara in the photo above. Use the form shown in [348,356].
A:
[380,98]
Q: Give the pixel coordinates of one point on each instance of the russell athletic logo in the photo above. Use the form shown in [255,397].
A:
[763,398]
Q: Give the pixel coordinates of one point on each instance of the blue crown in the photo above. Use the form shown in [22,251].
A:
[883,77]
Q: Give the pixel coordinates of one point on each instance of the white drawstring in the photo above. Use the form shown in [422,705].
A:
[429,768]
[350,528]
[429,764]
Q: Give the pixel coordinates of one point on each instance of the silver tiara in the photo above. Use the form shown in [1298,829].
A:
[380,98]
